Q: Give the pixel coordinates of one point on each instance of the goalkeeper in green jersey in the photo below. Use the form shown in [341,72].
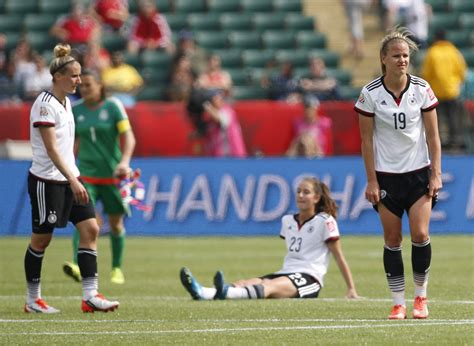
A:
[104,145]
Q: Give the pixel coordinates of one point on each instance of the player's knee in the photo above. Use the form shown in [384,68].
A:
[420,237]
[393,240]
[40,244]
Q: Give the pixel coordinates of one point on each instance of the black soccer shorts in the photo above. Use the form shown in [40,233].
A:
[53,205]
[398,192]
[307,286]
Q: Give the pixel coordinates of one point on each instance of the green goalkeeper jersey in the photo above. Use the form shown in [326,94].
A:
[98,131]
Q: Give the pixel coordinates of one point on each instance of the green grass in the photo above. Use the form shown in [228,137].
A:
[155,309]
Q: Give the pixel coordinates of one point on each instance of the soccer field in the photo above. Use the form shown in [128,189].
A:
[155,308]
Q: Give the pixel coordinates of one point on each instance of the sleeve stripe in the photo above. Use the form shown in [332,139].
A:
[433,106]
[367,114]
[43,123]
[330,239]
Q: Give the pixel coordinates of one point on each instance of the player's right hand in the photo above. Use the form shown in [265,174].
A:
[80,193]
[372,192]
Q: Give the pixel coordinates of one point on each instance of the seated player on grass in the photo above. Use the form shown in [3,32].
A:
[310,236]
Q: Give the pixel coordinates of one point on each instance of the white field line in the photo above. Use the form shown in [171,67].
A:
[157,297]
[259,320]
[249,329]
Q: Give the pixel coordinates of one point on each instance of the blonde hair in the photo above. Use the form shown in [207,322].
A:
[62,58]
[397,34]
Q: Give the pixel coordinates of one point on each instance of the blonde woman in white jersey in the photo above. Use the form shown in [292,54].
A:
[310,236]
[402,157]
[56,194]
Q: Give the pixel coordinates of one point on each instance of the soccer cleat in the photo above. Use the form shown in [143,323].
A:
[39,305]
[420,308]
[72,270]
[116,276]
[99,303]
[190,283]
[399,312]
[220,285]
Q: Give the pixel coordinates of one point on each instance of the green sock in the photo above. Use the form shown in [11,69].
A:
[117,243]
[75,244]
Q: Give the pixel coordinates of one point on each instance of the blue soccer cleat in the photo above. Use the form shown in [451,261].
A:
[220,285]
[190,283]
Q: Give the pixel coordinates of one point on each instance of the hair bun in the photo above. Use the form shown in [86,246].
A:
[62,49]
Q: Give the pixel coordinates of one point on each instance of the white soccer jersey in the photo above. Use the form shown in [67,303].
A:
[47,110]
[306,244]
[399,133]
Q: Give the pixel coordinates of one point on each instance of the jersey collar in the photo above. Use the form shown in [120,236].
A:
[397,100]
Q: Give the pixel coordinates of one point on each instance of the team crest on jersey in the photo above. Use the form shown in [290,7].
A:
[43,111]
[52,218]
[104,115]
[81,118]
[412,101]
[431,94]
[361,98]
[311,229]
[383,194]
[330,225]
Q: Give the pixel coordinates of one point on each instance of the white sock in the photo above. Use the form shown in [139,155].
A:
[237,293]
[90,287]
[208,293]
[420,291]
[398,298]
[33,292]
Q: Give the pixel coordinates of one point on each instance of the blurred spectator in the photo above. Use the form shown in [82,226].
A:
[392,11]
[22,58]
[318,84]
[215,77]
[283,85]
[112,14]
[37,81]
[122,80]
[149,30]
[354,12]
[8,91]
[187,46]
[467,91]
[416,19]
[76,28]
[413,14]
[312,133]
[224,135]
[3,48]
[96,57]
[181,80]
[445,69]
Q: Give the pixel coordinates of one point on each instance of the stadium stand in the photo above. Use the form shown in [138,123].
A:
[248,35]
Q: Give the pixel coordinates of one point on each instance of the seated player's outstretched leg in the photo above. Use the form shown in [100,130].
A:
[190,283]
[194,288]
[220,285]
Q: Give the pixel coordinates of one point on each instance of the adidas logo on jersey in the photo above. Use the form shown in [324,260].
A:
[383,103]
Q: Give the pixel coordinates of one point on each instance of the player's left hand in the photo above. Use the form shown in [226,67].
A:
[122,170]
[352,294]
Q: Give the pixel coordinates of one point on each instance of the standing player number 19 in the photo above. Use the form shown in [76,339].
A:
[399,120]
